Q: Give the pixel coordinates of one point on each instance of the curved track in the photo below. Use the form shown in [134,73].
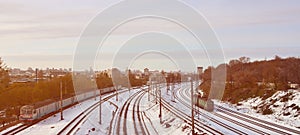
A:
[124,113]
[243,117]
[230,128]
[73,125]
[200,126]
[262,123]
[141,121]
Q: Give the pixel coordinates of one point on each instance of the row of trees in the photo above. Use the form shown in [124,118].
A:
[19,94]
[4,76]
[246,79]
[119,79]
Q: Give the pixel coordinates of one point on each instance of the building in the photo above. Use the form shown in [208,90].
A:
[146,72]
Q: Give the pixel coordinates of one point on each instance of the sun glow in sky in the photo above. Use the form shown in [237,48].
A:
[44,34]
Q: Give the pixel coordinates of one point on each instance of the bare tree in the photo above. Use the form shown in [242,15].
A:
[4,76]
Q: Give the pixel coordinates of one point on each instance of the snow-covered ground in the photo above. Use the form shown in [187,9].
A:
[149,111]
[170,124]
[53,124]
[291,104]
[285,106]
[183,92]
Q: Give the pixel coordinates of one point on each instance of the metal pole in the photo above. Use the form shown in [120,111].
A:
[100,108]
[116,93]
[148,92]
[160,105]
[156,93]
[173,91]
[61,102]
[192,100]
[198,84]
[95,95]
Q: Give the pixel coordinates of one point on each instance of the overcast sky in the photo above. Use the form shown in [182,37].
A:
[42,34]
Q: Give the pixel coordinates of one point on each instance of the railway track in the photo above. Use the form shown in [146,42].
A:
[249,119]
[123,112]
[73,125]
[201,127]
[142,124]
[258,122]
[23,127]
[16,129]
[230,128]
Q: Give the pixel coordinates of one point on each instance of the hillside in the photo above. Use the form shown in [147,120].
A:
[283,107]
[245,79]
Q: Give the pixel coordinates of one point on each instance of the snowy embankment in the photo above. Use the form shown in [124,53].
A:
[283,108]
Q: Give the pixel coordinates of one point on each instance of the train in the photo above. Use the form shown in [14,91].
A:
[203,102]
[31,113]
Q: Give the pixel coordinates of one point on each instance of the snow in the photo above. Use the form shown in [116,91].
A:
[170,124]
[53,124]
[185,94]
[10,128]
[149,115]
[279,107]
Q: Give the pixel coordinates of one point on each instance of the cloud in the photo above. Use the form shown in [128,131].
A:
[38,61]
[46,32]
[31,20]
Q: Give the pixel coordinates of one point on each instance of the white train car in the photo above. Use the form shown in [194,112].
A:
[30,113]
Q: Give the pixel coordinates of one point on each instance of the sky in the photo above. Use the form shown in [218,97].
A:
[43,34]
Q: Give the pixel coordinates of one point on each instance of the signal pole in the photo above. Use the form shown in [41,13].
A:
[61,102]
[95,95]
[116,88]
[192,100]
[156,93]
[100,108]
[148,92]
[160,105]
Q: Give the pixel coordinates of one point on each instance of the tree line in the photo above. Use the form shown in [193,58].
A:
[246,79]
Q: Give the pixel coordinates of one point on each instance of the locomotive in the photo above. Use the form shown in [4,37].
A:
[203,102]
[27,113]
[31,113]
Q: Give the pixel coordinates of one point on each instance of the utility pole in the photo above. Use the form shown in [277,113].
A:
[148,92]
[95,95]
[116,88]
[192,102]
[156,92]
[61,102]
[173,91]
[199,70]
[100,108]
[160,106]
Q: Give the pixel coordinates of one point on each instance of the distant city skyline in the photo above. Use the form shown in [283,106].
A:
[41,34]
